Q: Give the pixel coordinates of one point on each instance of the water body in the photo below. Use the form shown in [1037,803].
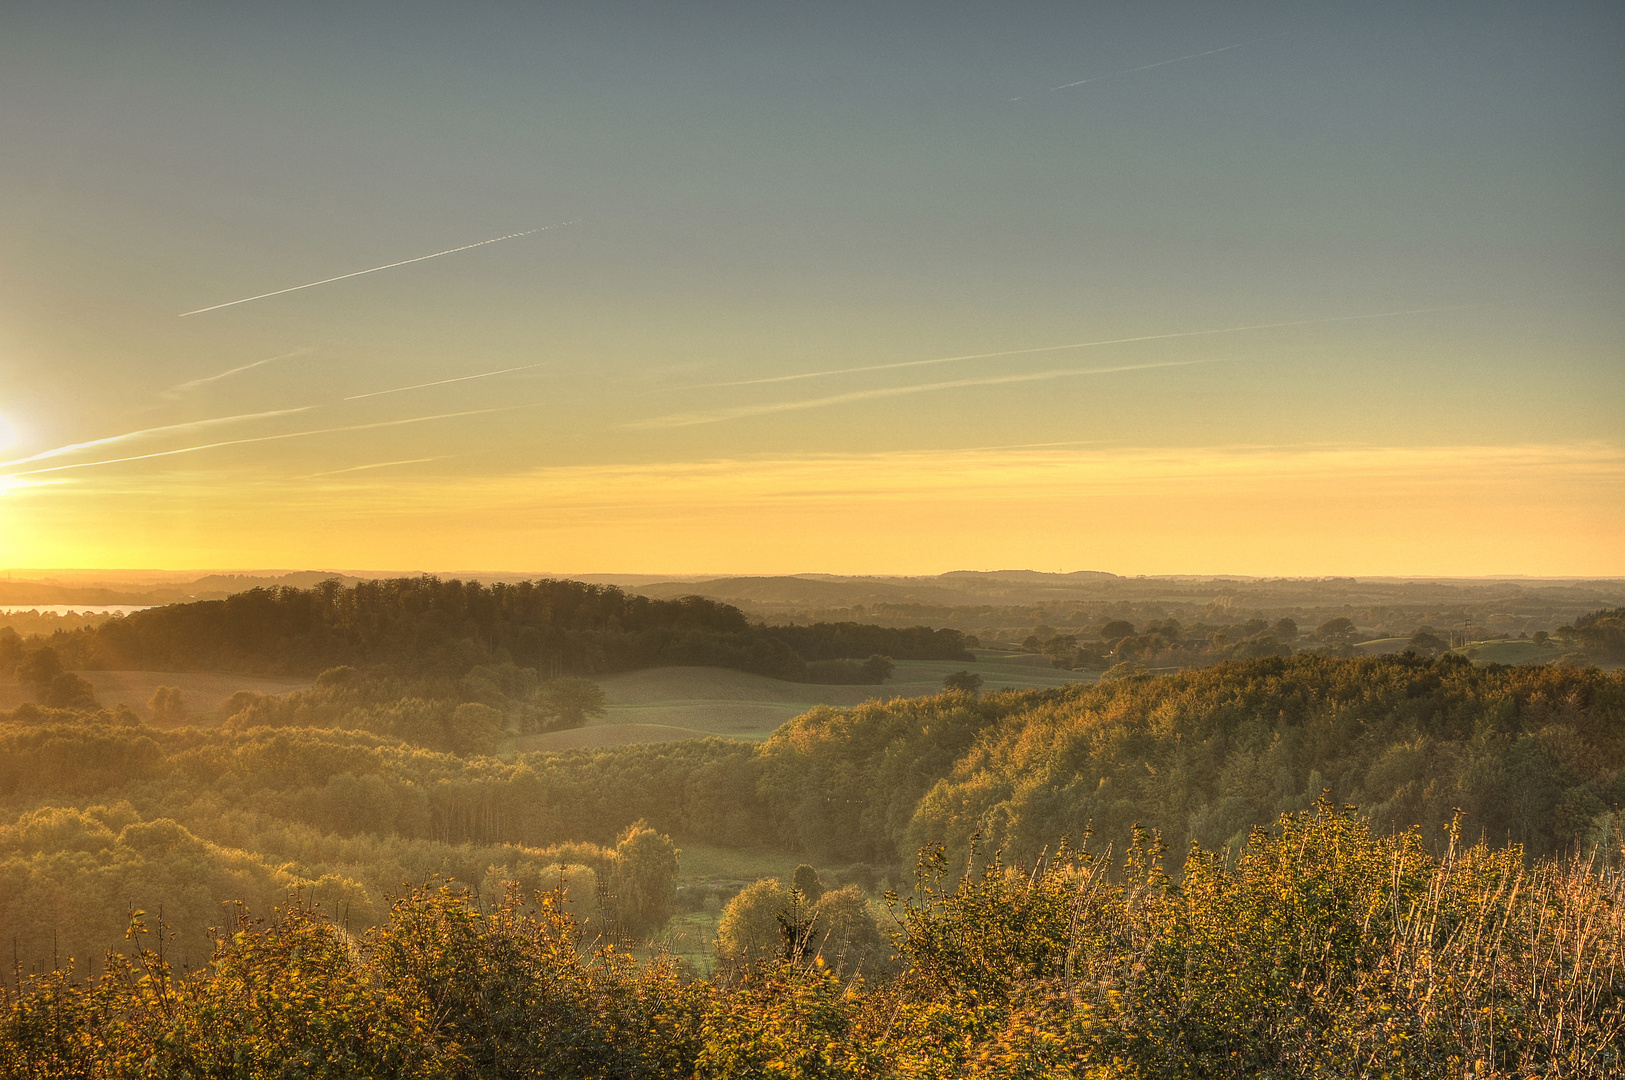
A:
[72,609]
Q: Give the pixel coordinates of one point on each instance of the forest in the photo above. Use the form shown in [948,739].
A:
[427,627]
[999,881]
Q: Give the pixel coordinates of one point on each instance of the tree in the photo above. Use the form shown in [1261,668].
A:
[752,927]
[1116,630]
[643,880]
[845,934]
[964,682]
[473,729]
[1338,631]
[167,705]
[571,702]
[877,669]
[39,668]
[1285,630]
[1060,649]
[69,691]
[1426,643]
[806,882]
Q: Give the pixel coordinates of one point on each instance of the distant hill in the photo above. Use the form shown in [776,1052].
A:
[207,587]
[1009,605]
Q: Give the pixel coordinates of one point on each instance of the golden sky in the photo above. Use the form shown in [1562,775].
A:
[870,290]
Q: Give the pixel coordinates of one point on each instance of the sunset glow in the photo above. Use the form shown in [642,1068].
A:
[592,293]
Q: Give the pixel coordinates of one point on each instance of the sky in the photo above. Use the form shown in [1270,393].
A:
[1273,289]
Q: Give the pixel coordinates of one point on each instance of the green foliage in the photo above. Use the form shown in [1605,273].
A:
[69,691]
[964,682]
[1602,634]
[569,703]
[845,934]
[426,713]
[643,881]
[292,794]
[749,931]
[168,704]
[871,672]
[434,628]
[842,784]
[852,641]
[1325,950]
[806,881]
[38,668]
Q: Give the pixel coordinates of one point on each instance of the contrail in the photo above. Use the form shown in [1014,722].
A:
[1074,345]
[375,269]
[190,425]
[442,382]
[273,438]
[692,419]
[181,388]
[374,465]
[1146,67]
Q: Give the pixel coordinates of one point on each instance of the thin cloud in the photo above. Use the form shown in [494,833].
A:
[190,425]
[442,382]
[375,269]
[1073,345]
[692,419]
[274,438]
[1147,67]
[182,388]
[374,465]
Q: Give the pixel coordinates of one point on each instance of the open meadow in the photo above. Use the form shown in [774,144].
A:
[667,703]
[202,692]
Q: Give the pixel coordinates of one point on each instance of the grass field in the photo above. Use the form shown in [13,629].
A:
[599,735]
[1498,651]
[661,704]
[1510,652]
[690,937]
[1383,646]
[653,705]
[202,692]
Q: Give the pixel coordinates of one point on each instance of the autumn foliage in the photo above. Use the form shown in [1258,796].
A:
[1321,949]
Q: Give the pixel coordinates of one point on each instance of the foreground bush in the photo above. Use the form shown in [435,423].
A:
[1324,951]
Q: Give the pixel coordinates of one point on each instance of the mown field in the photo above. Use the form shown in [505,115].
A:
[203,691]
[663,704]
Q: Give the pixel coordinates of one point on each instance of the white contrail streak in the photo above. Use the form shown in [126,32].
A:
[442,382]
[273,438]
[692,419]
[1146,67]
[191,425]
[1074,345]
[375,269]
[374,465]
[181,388]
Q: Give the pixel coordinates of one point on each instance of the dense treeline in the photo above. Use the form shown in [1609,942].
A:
[1325,950]
[1534,755]
[850,640]
[1601,634]
[426,627]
